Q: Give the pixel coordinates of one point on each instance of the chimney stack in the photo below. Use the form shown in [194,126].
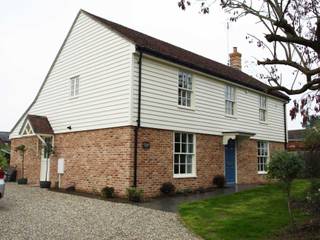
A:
[235,59]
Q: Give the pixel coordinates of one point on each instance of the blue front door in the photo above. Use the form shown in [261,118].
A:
[230,162]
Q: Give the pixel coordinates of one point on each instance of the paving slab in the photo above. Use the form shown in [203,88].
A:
[170,204]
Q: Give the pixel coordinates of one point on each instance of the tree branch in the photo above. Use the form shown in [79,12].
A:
[292,39]
[312,85]
[293,64]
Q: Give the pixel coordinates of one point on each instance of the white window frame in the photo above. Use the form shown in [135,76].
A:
[265,154]
[185,88]
[263,108]
[187,153]
[230,99]
[74,86]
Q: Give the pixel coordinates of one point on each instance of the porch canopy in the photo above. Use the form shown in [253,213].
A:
[36,125]
[234,134]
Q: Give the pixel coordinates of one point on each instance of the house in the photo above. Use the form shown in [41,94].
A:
[124,109]
[4,138]
[296,140]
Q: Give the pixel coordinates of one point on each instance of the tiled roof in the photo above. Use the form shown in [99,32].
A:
[296,135]
[4,137]
[40,124]
[156,47]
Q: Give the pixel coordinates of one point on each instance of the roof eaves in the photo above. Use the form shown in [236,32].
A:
[47,76]
[98,20]
[216,74]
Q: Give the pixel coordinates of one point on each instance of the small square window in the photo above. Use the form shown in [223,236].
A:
[74,86]
[263,108]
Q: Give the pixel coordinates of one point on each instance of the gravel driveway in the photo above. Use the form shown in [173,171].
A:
[33,213]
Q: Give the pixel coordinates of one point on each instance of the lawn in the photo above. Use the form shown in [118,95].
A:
[253,214]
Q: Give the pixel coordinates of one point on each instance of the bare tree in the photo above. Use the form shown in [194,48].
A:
[291,39]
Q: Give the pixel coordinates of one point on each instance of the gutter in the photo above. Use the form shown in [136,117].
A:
[137,127]
[285,126]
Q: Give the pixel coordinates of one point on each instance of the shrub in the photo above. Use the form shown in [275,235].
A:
[107,192]
[22,181]
[167,188]
[313,197]
[3,161]
[312,145]
[219,181]
[285,167]
[21,148]
[200,190]
[179,191]
[312,164]
[134,194]
[71,188]
[187,191]
[312,136]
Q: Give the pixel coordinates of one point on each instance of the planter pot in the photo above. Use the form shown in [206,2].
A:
[45,184]
[22,181]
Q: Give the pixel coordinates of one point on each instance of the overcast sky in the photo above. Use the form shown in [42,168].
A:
[31,32]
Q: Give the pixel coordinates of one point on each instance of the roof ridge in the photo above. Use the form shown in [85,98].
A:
[157,39]
[177,54]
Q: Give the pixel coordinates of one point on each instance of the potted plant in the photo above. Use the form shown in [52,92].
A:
[134,194]
[48,151]
[22,149]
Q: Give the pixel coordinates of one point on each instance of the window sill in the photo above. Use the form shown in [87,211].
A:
[262,173]
[263,122]
[230,116]
[75,97]
[186,108]
[185,176]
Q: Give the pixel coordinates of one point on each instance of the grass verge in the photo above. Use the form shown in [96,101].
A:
[253,214]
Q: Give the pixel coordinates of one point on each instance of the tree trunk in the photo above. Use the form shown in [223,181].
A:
[289,206]
[22,165]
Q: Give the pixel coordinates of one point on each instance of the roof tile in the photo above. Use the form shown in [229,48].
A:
[40,124]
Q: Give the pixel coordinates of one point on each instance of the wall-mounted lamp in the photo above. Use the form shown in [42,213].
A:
[69,127]
[146,145]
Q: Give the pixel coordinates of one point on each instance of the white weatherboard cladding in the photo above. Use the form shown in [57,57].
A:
[160,107]
[103,61]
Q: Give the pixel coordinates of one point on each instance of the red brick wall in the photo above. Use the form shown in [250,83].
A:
[96,159]
[31,158]
[99,158]
[93,159]
[296,146]
[247,151]
[156,164]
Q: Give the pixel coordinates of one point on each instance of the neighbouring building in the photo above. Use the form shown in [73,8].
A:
[296,140]
[4,138]
[126,109]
